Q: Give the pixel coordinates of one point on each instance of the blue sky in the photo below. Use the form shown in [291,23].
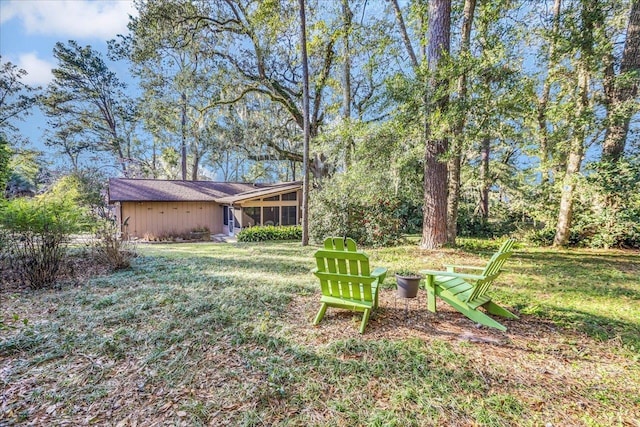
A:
[30,28]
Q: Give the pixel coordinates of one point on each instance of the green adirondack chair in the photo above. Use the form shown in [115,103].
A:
[346,280]
[468,292]
[506,246]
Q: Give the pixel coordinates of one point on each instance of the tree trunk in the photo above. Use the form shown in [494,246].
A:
[123,163]
[453,196]
[574,161]
[405,35]
[183,145]
[346,82]
[154,159]
[195,162]
[592,19]
[622,94]
[485,179]
[306,128]
[434,232]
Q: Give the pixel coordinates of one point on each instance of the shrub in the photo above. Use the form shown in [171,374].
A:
[37,232]
[343,208]
[110,249]
[270,232]
[200,233]
[608,211]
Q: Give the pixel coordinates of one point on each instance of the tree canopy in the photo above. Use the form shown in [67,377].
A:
[480,118]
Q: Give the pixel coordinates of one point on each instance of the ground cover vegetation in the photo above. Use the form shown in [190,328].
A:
[204,333]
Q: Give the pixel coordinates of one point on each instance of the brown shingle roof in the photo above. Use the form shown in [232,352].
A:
[155,190]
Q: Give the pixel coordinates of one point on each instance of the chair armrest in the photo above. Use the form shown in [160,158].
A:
[452,267]
[452,274]
[378,271]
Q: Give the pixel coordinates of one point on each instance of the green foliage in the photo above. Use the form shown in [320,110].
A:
[26,172]
[16,97]
[502,221]
[606,211]
[37,231]
[540,237]
[348,207]
[92,187]
[609,206]
[86,103]
[56,210]
[380,195]
[270,232]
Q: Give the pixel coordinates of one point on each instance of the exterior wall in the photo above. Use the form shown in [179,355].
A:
[160,218]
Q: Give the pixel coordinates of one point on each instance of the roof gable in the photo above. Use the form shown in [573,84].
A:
[255,193]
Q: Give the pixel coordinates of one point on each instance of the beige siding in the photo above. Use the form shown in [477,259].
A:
[161,218]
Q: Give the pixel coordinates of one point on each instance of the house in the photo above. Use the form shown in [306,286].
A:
[152,207]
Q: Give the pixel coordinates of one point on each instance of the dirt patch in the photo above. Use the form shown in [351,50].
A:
[75,269]
[535,360]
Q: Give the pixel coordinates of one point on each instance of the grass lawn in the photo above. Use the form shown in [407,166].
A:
[221,334]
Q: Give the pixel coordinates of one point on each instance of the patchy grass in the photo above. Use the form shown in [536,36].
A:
[219,334]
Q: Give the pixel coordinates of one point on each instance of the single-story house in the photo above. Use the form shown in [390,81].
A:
[153,207]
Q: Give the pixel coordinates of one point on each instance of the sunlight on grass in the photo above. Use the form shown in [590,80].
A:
[219,334]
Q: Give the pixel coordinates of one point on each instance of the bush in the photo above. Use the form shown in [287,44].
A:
[110,249]
[608,212]
[270,232]
[344,207]
[37,232]
[540,237]
[200,233]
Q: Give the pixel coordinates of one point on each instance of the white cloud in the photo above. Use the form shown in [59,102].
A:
[102,19]
[38,70]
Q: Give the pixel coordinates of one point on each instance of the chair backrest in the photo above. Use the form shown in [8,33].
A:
[491,272]
[340,244]
[344,273]
[507,245]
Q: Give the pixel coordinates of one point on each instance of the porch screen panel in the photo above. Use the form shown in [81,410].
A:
[271,215]
[289,215]
[251,217]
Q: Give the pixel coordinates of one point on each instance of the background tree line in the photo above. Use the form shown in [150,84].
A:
[450,117]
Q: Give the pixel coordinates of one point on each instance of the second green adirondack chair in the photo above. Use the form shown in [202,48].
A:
[506,246]
[346,280]
[468,292]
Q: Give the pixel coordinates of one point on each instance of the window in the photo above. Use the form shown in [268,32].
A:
[271,215]
[290,196]
[225,215]
[251,217]
[271,199]
[289,215]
